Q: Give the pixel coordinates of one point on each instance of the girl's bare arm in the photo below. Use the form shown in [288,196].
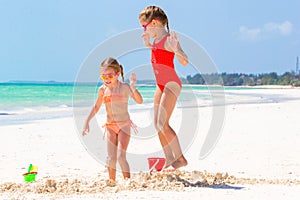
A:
[173,44]
[93,112]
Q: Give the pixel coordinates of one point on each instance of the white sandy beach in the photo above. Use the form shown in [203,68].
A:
[256,157]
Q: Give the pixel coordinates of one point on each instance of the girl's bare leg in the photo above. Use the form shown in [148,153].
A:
[165,109]
[112,153]
[166,148]
[123,141]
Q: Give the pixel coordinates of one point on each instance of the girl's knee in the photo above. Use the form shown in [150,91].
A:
[158,127]
[111,160]
[122,158]
[162,126]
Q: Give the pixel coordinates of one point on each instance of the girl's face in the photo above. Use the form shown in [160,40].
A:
[109,76]
[148,27]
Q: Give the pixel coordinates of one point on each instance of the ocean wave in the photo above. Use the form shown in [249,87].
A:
[27,114]
[5,113]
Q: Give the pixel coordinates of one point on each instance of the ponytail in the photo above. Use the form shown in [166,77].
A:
[122,72]
[168,29]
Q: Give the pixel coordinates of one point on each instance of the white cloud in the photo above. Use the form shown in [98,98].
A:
[246,33]
[283,29]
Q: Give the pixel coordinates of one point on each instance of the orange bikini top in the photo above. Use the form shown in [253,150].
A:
[114,96]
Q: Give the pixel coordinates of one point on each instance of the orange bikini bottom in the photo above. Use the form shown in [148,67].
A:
[116,127]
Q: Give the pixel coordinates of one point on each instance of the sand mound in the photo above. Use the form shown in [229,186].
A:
[167,181]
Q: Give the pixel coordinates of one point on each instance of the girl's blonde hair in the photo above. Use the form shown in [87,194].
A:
[154,12]
[112,63]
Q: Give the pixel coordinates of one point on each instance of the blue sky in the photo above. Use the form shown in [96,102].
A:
[49,40]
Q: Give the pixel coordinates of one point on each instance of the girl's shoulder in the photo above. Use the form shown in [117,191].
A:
[124,86]
[125,89]
[101,89]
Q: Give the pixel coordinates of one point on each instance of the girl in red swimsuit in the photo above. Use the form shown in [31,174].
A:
[163,49]
[115,94]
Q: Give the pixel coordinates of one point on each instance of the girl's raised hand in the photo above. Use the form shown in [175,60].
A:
[132,79]
[173,42]
[135,93]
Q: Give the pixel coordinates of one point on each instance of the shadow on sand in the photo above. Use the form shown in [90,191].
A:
[187,183]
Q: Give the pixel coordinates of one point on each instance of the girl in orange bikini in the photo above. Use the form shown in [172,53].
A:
[163,49]
[115,94]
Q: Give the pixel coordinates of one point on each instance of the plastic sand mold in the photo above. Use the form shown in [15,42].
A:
[156,164]
[31,173]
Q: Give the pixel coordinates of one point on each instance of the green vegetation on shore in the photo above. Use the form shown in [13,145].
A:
[241,79]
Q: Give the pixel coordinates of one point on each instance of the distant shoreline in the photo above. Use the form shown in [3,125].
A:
[147,83]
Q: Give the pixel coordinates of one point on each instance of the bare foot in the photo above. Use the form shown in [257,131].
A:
[111,183]
[168,162]
[180,162]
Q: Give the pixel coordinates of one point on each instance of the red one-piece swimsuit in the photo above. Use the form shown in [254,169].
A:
[163,64]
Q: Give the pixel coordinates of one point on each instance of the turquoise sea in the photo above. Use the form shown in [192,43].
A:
[23,102]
